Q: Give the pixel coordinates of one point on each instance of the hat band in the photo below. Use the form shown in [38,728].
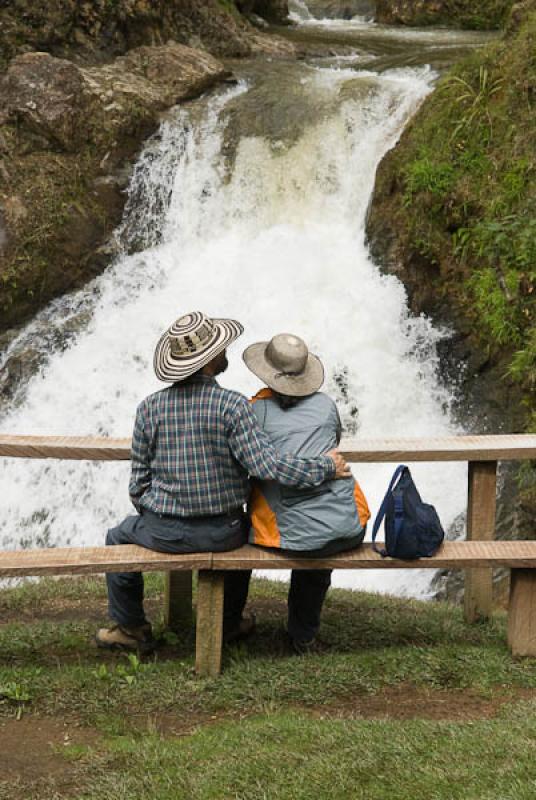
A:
[289,374]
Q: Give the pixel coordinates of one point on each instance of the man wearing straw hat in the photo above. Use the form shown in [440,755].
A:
[194,446]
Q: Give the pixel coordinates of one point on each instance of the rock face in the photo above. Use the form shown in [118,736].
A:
[83,85]
[67,132]
[487,14]
[100,29]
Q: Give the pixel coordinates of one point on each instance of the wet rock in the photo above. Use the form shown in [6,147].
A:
[24,353]
[274,11]
[16,370]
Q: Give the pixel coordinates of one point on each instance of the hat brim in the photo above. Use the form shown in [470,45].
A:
[307,382]
[170,368]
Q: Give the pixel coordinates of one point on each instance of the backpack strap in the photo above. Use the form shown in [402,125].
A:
[399,511]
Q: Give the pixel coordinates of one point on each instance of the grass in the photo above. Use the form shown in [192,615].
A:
[272,725]
[486,217]
[293,756]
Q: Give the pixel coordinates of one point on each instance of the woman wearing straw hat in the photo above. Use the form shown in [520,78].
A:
[318,521]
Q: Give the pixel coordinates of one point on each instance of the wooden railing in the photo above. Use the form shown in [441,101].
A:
[481,452]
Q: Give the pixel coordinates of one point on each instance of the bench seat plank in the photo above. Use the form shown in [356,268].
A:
[92,560]
[454,555]
[131,558]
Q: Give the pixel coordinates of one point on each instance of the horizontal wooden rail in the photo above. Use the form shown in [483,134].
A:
[511,447]
[77,448]
[446,448]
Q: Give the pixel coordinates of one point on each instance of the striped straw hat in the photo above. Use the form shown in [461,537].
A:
[191,342]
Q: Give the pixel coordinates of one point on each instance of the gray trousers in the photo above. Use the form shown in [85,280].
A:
[176,535]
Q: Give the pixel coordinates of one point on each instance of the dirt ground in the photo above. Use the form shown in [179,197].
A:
[31,748]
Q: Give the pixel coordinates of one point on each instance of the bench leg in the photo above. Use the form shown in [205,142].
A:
[178,613]
[522,613]
[209,633]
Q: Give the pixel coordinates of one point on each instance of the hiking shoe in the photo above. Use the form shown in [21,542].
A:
[245,628]
[120,637]
[302,648]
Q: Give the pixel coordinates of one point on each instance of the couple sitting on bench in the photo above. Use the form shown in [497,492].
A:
[200,453]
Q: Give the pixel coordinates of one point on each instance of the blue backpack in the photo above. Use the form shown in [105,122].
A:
[412,528]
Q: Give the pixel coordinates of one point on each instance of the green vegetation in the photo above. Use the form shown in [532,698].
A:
[405,701]
[484,15]
[466,203]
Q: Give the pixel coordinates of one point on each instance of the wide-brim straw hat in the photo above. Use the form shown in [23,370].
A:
[285,365]
[190,343]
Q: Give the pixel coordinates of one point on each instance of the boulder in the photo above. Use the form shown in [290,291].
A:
[46,96]
[68,134]
[70,106]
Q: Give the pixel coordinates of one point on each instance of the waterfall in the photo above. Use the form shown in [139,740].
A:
[270,232]
[299,11]
[330,12]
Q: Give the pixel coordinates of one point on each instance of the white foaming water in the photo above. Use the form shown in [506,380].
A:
[276,240]
[300,14]
[299,11]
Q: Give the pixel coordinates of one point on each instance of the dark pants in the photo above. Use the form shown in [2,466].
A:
[176,535]
[308,589]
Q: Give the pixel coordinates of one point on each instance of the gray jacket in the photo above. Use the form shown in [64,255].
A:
[304,519]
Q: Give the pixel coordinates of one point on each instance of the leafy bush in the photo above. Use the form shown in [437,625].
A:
[427,175]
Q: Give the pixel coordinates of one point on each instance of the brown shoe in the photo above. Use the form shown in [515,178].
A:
[303,648]
[307,648]
[245,628]
[119,637]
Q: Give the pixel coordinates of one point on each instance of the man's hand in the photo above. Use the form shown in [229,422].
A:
[342,469]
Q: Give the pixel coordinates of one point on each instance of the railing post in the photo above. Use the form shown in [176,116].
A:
[480,526]
[209,631]
[178,613]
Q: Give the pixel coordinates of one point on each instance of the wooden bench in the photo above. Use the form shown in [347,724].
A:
[477,556]
[520,557]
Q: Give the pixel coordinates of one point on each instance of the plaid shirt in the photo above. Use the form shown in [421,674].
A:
[194,445]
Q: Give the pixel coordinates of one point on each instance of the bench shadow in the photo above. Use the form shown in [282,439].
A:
[369,622]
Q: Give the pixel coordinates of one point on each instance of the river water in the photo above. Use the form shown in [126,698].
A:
[250,203]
